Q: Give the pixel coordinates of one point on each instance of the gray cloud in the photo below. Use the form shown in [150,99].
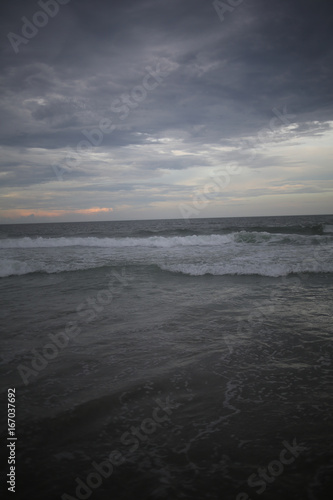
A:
[224,79]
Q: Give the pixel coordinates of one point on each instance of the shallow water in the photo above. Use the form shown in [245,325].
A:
[196,349]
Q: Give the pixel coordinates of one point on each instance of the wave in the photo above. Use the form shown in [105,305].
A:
[240,252]
[9,267]
[328,228]
[162,241]
[300,229]
[316,229]
[153,241]
[254,266]
[250,268]
[12,267]
[165,232]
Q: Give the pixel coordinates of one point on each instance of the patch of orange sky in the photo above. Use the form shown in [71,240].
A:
[52,213]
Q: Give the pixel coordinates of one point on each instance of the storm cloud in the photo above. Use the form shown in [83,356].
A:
[132,106]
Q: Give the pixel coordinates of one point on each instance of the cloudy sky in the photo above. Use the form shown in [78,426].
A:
[147,109]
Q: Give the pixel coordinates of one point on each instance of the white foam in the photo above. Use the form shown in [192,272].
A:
[249,268]
[328,228]
[241,237]
[235,253]
[17,268]
[10,267]
[153,241]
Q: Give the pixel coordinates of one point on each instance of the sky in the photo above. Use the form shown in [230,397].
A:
[152,109]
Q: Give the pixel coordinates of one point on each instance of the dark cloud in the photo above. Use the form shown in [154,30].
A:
[224,78]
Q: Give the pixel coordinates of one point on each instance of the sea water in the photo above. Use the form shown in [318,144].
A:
[169,359]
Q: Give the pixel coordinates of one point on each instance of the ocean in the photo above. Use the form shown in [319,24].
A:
[168,359]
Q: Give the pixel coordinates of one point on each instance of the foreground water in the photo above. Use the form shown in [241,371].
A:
[169,359]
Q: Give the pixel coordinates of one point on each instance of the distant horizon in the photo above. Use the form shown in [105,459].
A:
[166,219]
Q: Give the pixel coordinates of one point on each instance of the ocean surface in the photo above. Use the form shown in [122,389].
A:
[169,359]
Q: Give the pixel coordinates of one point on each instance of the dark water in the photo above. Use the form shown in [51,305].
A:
[169,359]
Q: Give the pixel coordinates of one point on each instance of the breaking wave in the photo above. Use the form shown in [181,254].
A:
[162,241]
